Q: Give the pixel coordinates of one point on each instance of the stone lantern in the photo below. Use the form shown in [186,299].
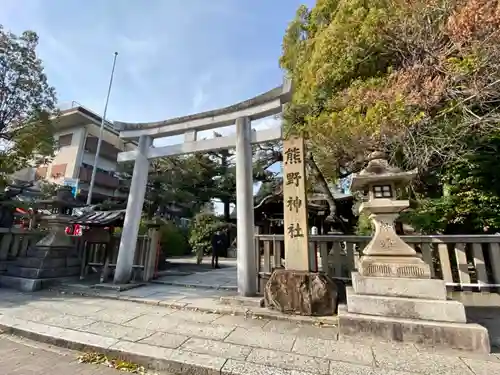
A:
[387,255]
[393,296]
[60,207]
[54,257]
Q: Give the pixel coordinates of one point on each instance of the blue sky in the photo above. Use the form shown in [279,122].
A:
[175,57]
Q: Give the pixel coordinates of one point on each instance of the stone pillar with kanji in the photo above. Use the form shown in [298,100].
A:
[295,289]
[393,296]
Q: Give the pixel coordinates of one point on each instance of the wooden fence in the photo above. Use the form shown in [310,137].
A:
[465,262]
[103,256]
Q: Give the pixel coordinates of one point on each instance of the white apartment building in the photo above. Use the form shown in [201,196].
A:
[77,132]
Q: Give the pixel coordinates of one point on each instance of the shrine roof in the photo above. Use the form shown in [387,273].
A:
[101,218]
[272,192]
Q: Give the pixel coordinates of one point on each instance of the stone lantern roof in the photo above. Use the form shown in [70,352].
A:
[61,203]
[379,170]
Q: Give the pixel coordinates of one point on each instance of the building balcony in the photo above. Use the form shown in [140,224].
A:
[101,179]
[124,185]
[107,150]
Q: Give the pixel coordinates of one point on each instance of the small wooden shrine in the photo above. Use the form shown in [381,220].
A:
[268,206]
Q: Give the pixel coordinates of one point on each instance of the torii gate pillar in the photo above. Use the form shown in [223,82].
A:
[246,257]
[135,201]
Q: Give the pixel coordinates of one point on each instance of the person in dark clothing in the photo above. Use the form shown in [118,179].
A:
[217,247]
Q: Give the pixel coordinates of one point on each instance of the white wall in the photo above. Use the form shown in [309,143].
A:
[68,154]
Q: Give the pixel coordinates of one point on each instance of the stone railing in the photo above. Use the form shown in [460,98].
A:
[469,262]
[14,242]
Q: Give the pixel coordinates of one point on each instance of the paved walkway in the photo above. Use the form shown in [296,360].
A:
[186,341]
[185,272]
[24,357]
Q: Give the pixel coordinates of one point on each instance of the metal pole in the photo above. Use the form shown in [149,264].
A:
[99,141]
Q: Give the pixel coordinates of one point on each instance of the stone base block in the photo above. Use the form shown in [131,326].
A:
[44,273]
[43,252]
[263,279]
[399,287]
[41,262]
[254,302]
[3,266]
[467,337]
[29,285]
[393,266]
[301,293]
[406,308]
[118,287]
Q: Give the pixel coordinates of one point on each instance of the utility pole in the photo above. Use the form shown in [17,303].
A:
[99,141]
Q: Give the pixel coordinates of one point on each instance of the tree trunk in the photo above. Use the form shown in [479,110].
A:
[227,211]
[320,179]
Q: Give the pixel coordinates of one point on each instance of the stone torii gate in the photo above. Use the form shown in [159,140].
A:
[240,114]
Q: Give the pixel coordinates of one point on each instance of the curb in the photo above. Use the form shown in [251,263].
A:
[222,310]
[194,286]
[154,358]
[141,355]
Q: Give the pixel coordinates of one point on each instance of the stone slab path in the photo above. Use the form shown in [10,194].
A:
[224,278]
[26,357]
[185,341]
[190,298]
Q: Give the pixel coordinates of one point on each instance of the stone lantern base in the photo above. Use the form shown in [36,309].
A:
[410,310]
[50,261]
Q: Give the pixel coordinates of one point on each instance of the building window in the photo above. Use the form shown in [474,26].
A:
[41,173]
[65,140]
[100,170]
[58,170]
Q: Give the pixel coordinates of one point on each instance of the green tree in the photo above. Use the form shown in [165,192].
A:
[27,104]
[416,79]
[186,181]
[471,199]
[202,229]
[264,156]
[224,178]
[413,78]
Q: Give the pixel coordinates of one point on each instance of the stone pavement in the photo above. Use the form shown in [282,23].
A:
[194,342]
[224,278]
[25,357]
[189,298]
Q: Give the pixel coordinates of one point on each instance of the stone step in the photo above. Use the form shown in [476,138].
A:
[41,252]
[4,265]
[406,308]
[188,284]
[242,301]
[47,262]
[44,273]
[441,335]
[399,287]
[155,358]
[29,285]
